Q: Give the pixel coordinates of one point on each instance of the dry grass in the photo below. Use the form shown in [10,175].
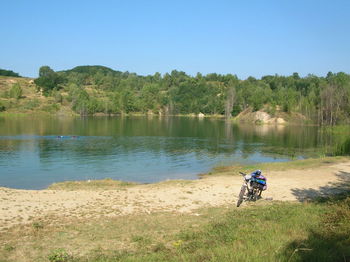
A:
[90,237]
[31,101]
[103,184]
[279,166]
[289,232]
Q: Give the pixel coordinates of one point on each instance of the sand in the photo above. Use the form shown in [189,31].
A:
[27,206]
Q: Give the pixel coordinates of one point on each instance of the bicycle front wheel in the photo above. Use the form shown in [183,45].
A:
[241,195]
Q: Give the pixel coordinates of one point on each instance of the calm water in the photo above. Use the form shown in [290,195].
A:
[35,152]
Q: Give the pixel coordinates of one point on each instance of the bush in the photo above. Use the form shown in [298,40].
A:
[51,108]
[16,91]
[271,110]
[2,107]
[31,104]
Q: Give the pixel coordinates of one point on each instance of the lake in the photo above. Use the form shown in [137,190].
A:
[38,151]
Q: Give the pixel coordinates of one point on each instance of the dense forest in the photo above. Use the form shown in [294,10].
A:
[92,89]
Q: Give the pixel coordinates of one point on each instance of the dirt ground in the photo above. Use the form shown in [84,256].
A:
[26,206]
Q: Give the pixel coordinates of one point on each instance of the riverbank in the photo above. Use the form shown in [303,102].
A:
[74,215]
[291,181]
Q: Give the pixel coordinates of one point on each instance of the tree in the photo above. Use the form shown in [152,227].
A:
[48,80]
[231,95]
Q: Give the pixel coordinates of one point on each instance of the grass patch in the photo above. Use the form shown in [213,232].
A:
[276,232]
[280,166]
[103,184]
[280,231]
[108,184]
[104,238]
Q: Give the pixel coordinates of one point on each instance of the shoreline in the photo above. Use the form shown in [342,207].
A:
[138,114]
[299,181]
[110,183]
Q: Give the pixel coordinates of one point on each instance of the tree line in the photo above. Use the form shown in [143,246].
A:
[4,72]
[93,89]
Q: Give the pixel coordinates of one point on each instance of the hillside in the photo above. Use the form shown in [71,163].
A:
[99,90]
[30,100]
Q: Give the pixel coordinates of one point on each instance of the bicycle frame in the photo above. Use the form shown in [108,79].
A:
[252,194]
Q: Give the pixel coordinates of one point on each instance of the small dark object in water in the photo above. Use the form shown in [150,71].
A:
[72,137]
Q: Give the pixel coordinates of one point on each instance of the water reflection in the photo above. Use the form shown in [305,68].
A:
[143,149]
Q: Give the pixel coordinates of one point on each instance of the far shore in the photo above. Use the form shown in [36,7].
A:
[288,181]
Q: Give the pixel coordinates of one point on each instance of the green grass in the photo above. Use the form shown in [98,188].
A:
[265,231]
[276,232]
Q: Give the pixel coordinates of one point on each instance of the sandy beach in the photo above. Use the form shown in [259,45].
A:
[26,206]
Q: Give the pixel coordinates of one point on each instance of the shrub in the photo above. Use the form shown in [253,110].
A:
[31,104]
[51,108]
[2,107]
[16,91]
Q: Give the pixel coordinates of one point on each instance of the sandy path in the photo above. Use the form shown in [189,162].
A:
[23,206]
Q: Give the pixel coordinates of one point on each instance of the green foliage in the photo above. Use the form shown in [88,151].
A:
[48,80]
[340,145]
[330,240]
[37,226]
[59,255]
[83,103]
[150,98]
[325,100]
[80,99]
[9,248]
[57,96]
[4,72]
[317,231]
[344,148]
[16,91]
[31,104]
[51,108]
[2,107]
[271,109]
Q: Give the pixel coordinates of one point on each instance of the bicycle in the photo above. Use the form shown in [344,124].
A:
[253,193]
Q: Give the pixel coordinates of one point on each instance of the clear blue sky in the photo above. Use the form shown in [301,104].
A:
[243,37]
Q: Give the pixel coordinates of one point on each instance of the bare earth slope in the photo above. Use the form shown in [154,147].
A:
[25,206]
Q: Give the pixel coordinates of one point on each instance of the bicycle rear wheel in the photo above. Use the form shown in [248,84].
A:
[241,195]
